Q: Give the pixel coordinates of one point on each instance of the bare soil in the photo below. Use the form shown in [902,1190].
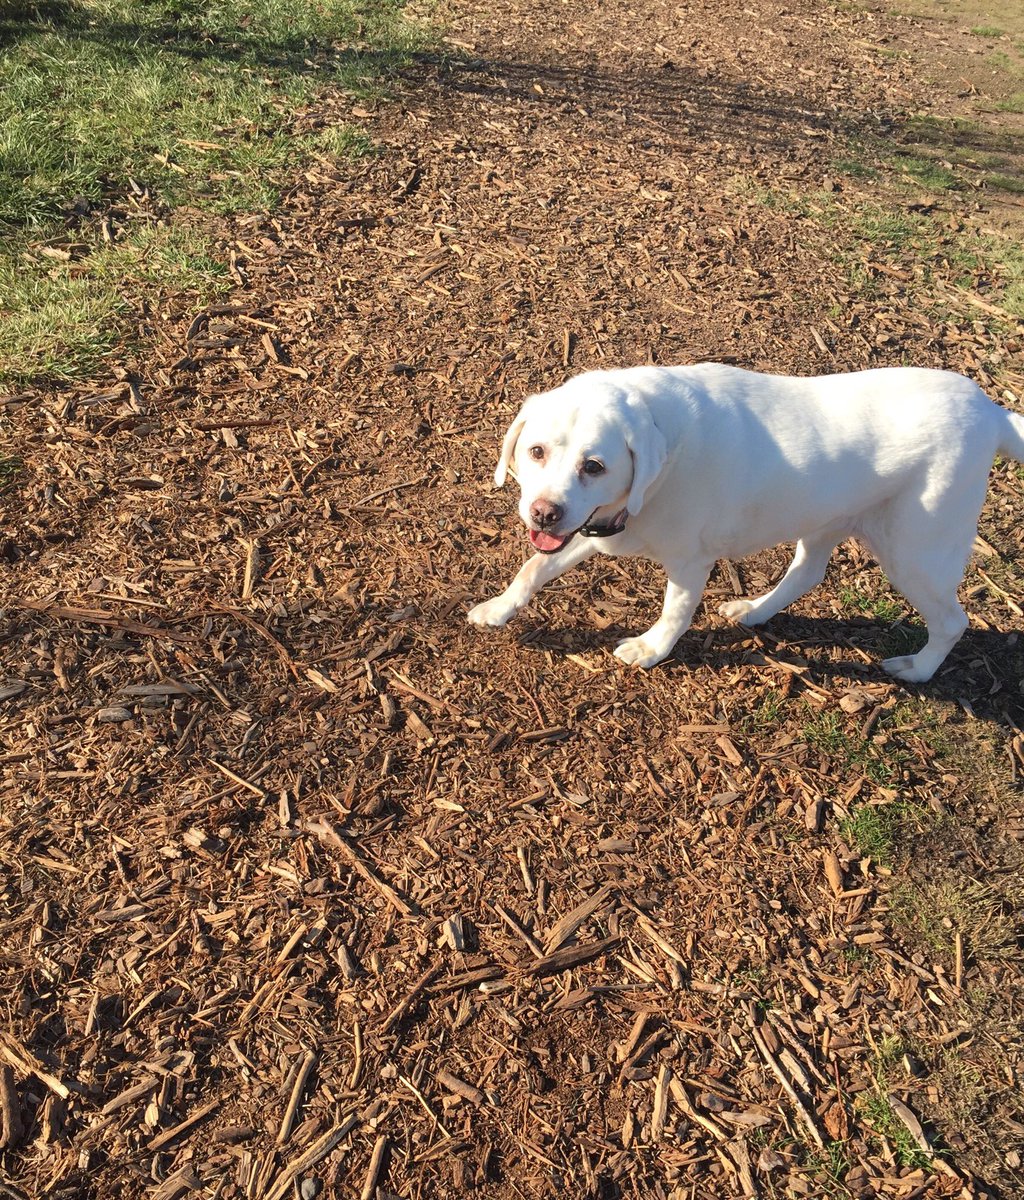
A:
[308,887]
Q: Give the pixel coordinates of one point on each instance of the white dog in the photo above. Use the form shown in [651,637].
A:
[686,465]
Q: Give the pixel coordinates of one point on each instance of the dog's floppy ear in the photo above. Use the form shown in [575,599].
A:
[648,447]
[508,446]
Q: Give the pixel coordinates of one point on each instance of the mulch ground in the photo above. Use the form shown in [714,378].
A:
[310,888]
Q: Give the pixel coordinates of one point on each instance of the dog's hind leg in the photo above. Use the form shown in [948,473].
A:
[924,559]
[930,586]
[806,571]
[946,622]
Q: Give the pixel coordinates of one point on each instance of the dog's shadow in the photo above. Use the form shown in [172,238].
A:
[985,666]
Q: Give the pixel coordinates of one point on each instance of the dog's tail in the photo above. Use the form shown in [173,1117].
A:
[1012,441]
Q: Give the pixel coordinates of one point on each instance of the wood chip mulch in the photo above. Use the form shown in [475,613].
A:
[306,887]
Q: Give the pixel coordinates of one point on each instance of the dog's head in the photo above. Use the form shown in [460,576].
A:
[584,454]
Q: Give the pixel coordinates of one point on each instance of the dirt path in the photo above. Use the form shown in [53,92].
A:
[577,930]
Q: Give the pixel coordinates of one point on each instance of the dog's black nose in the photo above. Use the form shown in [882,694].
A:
[545,513]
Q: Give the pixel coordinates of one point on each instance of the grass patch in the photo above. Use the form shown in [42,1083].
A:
[10,468]
[833,1162]
[1007,257]
[876,830]
[929,130]
[879,1114]
[930,174]
[987,31]
[61,320]
[1014,103]
[940,154]
[884,608]
[931,915]
[886,229]
[854,168]
[171,93]
[889,1070]
[1006,183]
[900,235]
[991,160]
[751,189]
[1004,62]
[861,957]
[964,1087]
[343,141]
[123,112]
[890,1052]
[829,734]
[769,712]
[902,639]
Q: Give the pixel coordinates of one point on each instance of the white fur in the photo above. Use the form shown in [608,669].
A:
[714,462]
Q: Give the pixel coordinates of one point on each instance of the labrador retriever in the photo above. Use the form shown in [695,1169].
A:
[687,465]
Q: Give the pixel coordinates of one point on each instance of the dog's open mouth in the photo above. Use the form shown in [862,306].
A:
[549,543]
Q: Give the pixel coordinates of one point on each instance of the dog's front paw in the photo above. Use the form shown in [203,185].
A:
[740,611]
[639,653]
[492,613]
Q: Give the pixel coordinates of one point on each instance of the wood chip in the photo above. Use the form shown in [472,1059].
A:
[327,833]
[570,957]
[12,1052]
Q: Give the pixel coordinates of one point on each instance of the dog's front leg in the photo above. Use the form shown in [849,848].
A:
[685,587]
[532,576]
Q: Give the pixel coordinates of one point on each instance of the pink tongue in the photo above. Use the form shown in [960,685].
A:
[546,541]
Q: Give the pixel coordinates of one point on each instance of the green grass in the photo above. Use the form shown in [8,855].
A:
[833,1163]
[170,92]
[61,319]
[902,639]
[827,732]
[940,155]
[860,956]
[881,607]
[130,112]
[342,141]
[884,228]
[987,31]
[1014,103]
[1006,183]
[931,914]
[769,712]
[879,1114]
[855,168]
[876,829]
[964,1086]
[831,735]
[10,469]
[930,174]
[1007,256]
[890,1051]
[889,1070]
[1004,63]
[899,235]
[929,130]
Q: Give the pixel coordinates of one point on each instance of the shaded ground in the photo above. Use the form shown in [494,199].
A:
[305,880]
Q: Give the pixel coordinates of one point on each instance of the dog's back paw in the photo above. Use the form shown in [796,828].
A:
[742,612]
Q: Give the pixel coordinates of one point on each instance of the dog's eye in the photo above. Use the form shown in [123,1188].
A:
[593,466]
[536,453]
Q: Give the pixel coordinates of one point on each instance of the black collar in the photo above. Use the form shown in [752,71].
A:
[616,525]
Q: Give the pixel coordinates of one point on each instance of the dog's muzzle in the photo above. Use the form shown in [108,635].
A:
[587,529]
